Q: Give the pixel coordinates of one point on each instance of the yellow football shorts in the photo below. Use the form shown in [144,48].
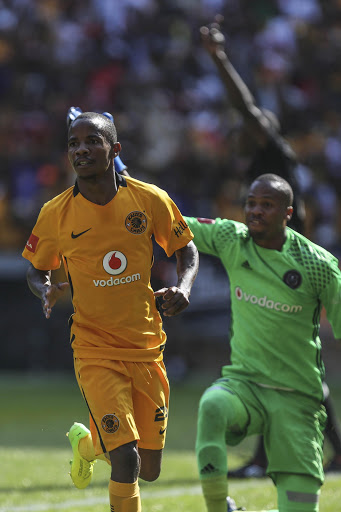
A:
[127,401]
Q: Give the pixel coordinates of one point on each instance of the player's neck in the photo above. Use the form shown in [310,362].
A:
[98,189]
[274,243]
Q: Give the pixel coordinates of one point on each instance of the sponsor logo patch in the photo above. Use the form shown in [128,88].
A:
[117,280]
[246,265]
[110,423]
[209,468]
[161,413]
[203,220]
[73,235]
[114,263]
[293,279]
[180,228]
[136,222]
[32,242]
[266,302]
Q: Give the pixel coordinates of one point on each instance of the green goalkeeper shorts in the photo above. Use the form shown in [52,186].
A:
[292,425]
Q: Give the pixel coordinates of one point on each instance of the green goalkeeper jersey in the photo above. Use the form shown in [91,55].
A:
[276,301]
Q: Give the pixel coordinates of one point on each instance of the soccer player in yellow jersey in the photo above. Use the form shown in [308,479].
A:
[101,229]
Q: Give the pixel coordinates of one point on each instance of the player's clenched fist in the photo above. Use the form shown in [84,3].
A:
[175,300]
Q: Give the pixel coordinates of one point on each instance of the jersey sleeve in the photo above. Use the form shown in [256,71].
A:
[170,228]
[218,237]
[204,231]
[331,299]
[41,248]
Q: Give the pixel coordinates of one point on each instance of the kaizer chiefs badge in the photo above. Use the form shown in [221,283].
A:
[293,279]
[136,222]
[110,423]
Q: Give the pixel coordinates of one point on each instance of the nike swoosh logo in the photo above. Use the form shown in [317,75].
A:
[162,431]
[79,234]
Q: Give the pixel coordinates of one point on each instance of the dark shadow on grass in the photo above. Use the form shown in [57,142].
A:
[170,483]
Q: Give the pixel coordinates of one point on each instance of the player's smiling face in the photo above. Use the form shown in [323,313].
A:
[266,214]
[89,152]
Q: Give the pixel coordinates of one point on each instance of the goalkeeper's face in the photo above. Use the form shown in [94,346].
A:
[266,214]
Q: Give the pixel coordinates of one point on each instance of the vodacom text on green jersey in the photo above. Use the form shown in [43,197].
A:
[266,302]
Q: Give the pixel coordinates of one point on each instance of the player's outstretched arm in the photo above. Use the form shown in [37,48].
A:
[176,298]
[240,96]
[39,282]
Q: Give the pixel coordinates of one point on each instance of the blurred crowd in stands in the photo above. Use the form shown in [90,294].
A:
[143,61]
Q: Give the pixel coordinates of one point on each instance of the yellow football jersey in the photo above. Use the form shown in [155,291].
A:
[107,252]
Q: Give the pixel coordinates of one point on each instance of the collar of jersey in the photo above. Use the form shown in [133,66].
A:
[285,247]
[120,180]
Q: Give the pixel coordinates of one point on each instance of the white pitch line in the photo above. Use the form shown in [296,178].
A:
[41,507]
[145,494]
[162,493]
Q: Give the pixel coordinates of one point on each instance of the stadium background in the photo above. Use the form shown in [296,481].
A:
[142,60]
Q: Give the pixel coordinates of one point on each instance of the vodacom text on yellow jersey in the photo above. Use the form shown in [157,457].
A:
[117,280]
[114,263]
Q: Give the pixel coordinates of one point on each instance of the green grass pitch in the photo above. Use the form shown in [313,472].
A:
[34,455]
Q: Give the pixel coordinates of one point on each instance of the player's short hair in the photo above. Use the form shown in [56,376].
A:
[103,124]
[280,184]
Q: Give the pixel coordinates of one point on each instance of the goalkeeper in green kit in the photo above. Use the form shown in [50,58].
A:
[279,281]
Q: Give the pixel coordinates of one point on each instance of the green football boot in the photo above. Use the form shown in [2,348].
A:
[81,469]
